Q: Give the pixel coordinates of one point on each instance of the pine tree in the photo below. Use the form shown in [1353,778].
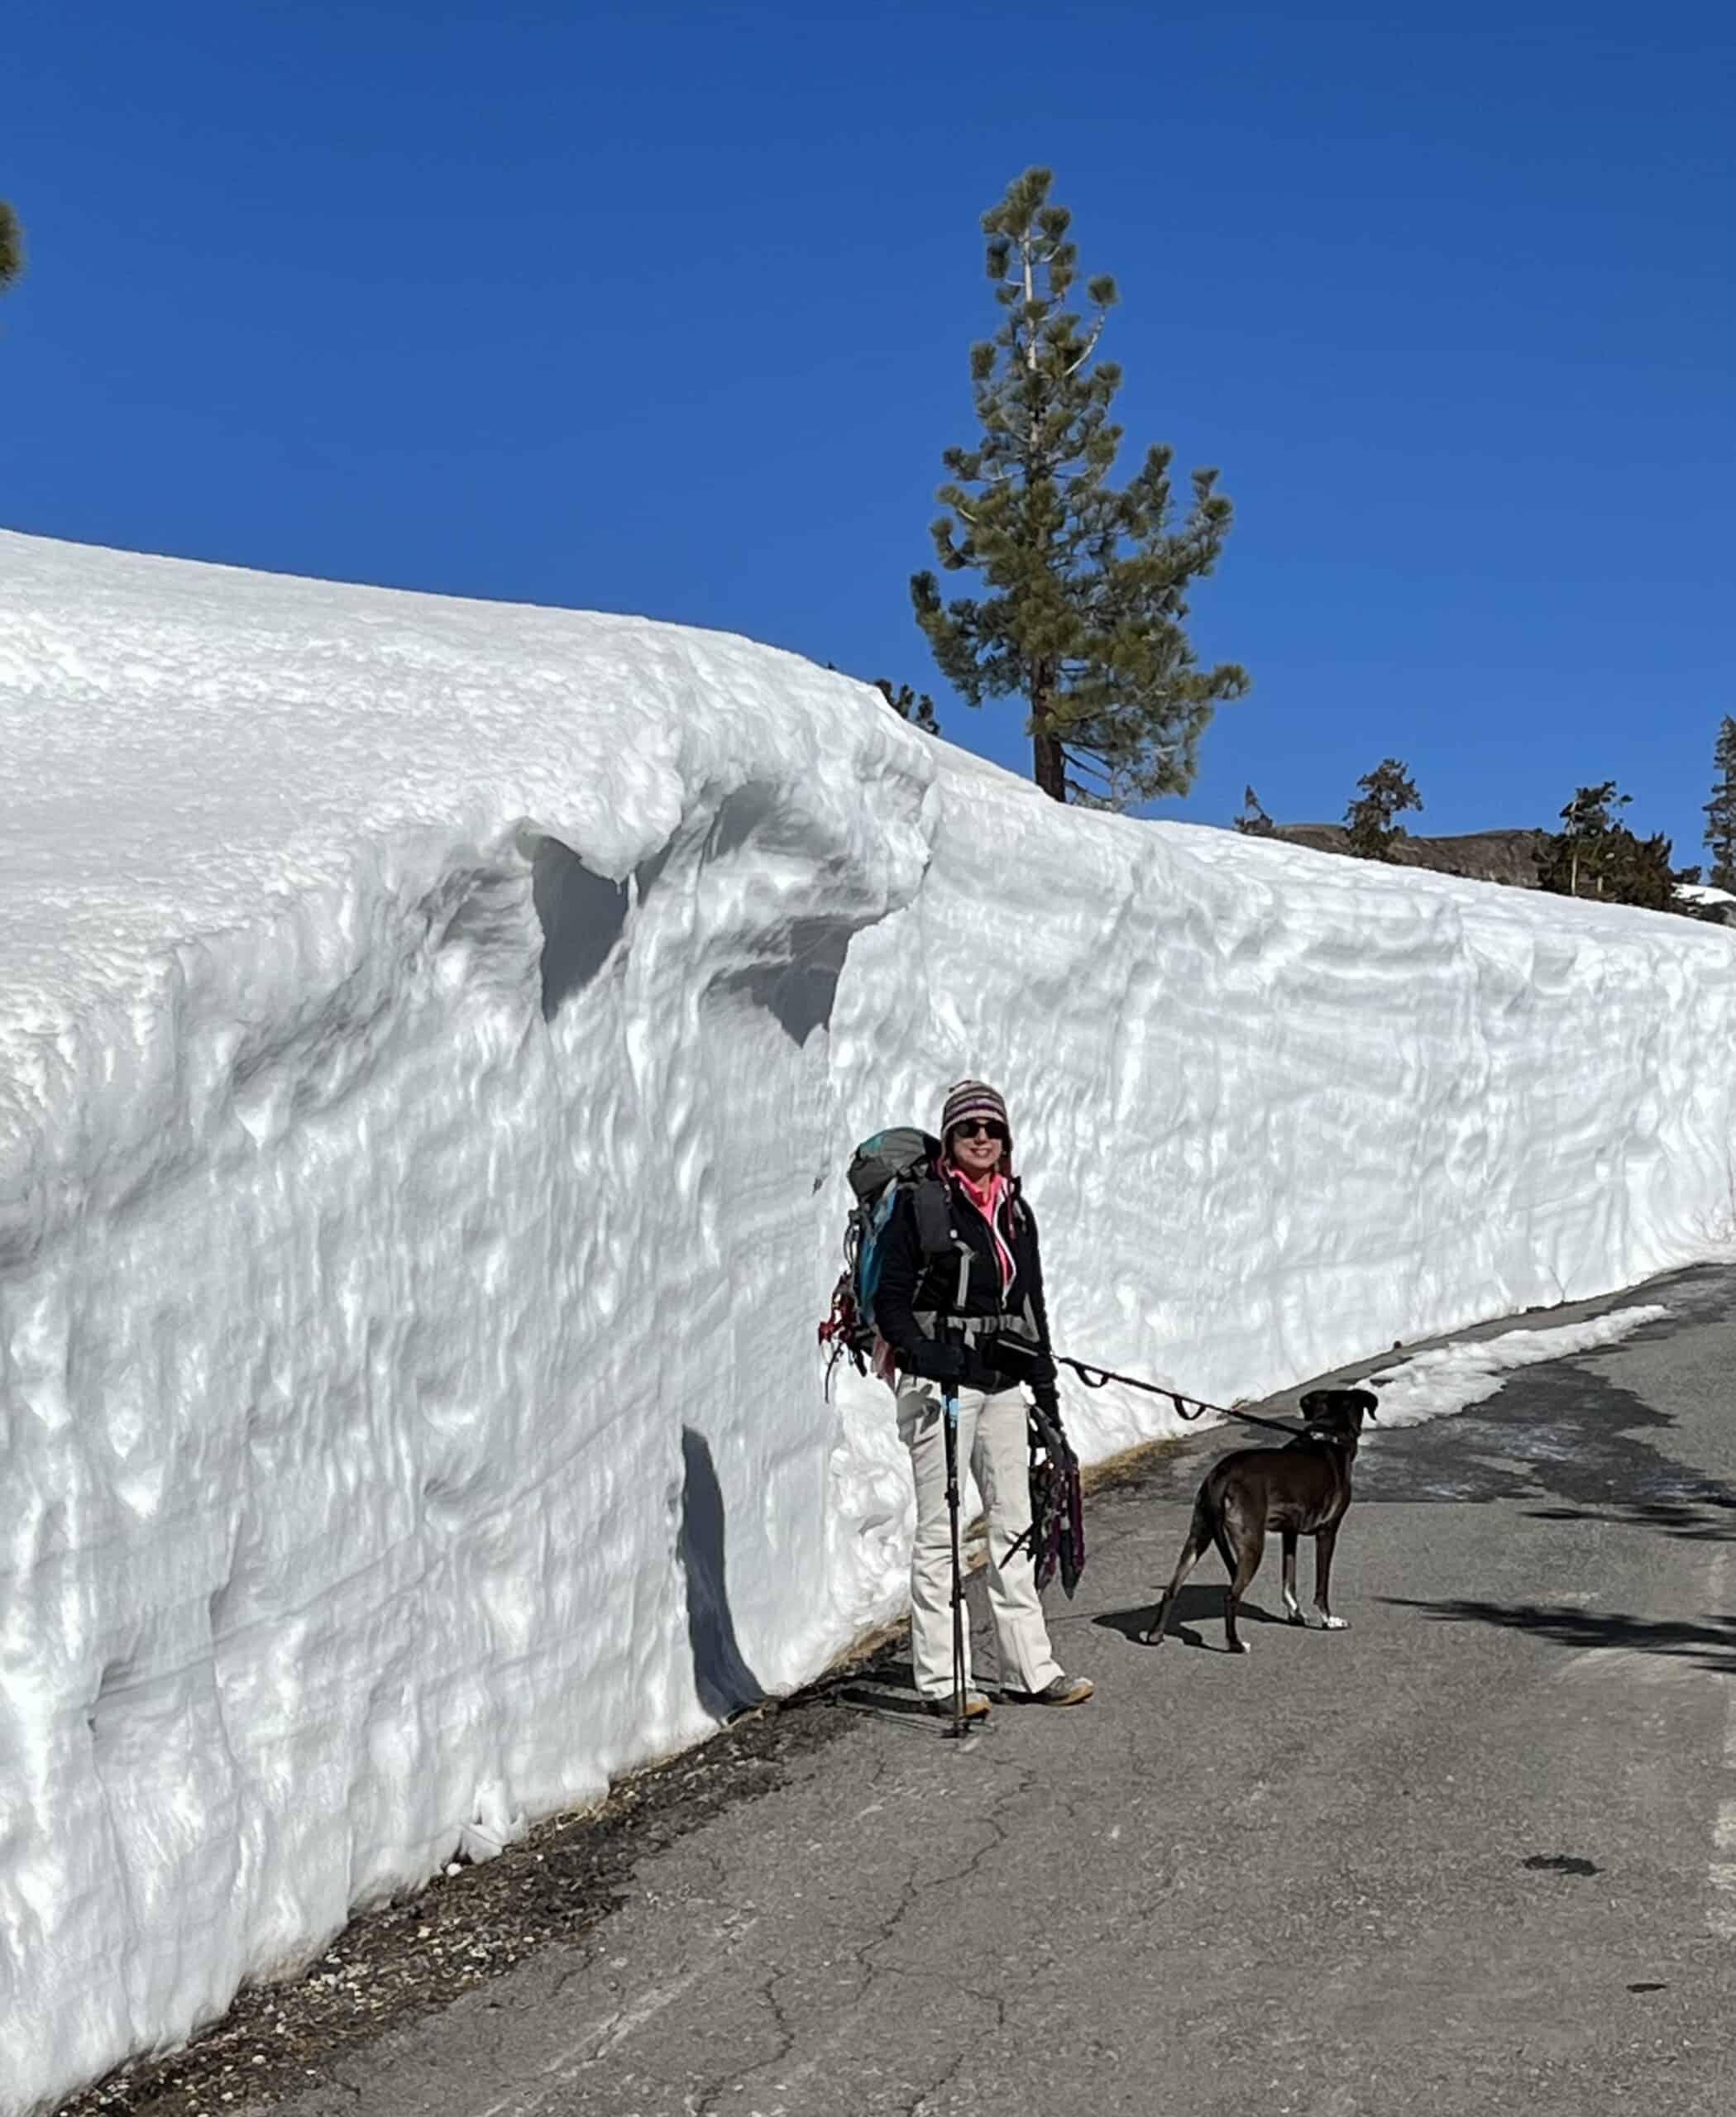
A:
[1086,585]
[1596,855]
[1387,792]
[1643,875]
[920,712]
[1583,858]
[1254,822]
[11,248]
[1720,812]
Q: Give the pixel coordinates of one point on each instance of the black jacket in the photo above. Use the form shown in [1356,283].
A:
[913,1282]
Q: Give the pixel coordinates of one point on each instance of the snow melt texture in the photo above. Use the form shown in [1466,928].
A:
[1448,1379]
[432,1035]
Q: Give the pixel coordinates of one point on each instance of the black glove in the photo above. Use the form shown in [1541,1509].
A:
[933,1359]
[1019,1360]
[1047,1399]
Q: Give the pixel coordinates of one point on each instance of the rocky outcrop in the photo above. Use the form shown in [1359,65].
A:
[1707,902]
[1493,856]
[1483,856]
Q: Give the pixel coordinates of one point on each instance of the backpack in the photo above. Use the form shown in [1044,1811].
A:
[882,1168]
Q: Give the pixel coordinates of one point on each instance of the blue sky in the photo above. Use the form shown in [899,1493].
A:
[668,310]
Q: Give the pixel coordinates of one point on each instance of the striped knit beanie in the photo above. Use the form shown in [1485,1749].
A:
[968,1099]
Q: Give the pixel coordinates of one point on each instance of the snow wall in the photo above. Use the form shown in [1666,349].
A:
[432,1035]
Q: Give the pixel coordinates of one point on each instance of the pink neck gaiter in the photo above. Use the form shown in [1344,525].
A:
[988,1197]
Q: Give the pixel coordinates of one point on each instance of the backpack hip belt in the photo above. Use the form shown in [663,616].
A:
[1022,1324]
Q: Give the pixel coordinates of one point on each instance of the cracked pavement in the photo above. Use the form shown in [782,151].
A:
[1297,1881]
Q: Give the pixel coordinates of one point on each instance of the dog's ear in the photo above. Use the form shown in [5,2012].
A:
[1314,1404]
[1366,1402]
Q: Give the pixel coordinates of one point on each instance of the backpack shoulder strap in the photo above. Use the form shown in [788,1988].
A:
[933,1209]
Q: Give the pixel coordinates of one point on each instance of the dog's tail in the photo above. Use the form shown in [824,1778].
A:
[1203,1531]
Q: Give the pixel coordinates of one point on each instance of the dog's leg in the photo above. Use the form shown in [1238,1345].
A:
[1199,1537]
[1225,1549]
[1247,1565]
[1323,1543]
[1292,1608]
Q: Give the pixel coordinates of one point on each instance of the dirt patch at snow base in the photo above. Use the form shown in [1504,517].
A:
[472,1924]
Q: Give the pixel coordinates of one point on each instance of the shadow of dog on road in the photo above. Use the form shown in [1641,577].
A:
[1194,1603]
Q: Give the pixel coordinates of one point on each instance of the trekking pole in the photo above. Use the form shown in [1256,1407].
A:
[951,1412]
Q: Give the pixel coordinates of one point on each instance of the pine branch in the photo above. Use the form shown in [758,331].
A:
[1097,333]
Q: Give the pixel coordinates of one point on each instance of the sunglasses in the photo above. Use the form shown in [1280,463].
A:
[972,1130]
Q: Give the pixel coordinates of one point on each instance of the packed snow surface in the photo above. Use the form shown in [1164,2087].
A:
[1448,1379]
[432,1035]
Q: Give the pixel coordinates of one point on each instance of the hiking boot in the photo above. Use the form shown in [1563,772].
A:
[1061,1690]
[976,1706]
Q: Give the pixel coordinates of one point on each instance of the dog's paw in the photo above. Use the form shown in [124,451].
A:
[1241,1646]
[1335,1624]
[1295,1616]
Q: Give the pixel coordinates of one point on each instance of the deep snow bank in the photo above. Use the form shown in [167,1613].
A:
[431,1035]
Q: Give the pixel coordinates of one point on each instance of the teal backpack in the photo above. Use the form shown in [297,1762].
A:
[902,1158]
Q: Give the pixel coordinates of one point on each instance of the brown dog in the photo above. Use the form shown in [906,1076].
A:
[1302,1490]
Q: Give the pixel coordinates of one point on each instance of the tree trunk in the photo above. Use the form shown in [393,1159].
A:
[1049,766]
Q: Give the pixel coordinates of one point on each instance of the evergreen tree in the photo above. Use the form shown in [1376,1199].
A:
[1086,585]
[1254,822]
[1643,875]
[11,248]
[1595,855]
[1583,858]
[920,712]
[1720,812]
[1387,792]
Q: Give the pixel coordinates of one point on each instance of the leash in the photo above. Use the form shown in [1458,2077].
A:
[1096,1378]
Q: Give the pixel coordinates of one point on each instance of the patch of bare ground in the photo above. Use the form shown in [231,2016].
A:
[476,1921]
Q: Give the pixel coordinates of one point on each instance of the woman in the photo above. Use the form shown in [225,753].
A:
[969,1322]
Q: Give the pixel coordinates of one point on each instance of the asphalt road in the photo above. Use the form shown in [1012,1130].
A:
[1476,1854]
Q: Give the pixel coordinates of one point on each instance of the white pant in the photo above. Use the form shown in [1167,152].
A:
[991,1440]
